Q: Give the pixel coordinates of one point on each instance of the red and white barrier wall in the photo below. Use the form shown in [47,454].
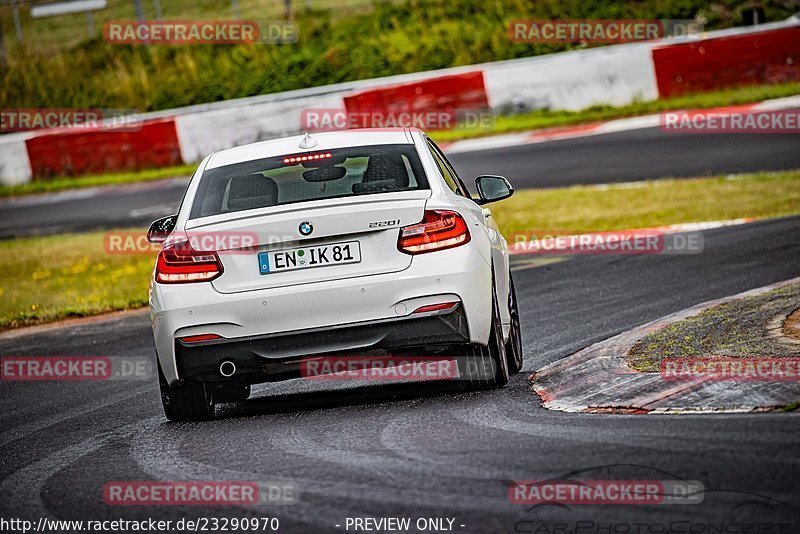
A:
[81,151]
[771,56]
[612,75]
[464,91]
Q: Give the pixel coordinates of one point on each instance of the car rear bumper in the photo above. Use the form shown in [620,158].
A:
[278,356]
[336,315]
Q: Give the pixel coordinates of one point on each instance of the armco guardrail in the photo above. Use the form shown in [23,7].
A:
[613,75]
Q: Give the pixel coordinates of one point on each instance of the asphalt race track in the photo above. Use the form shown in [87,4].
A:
[618,157]
[634,155]
[423,451]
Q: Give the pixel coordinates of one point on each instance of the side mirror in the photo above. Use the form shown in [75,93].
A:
[492,188]
[161,228]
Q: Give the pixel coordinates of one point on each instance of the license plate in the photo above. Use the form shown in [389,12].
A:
[308,257]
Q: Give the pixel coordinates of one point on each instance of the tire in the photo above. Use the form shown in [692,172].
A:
[486,366]
[186,402]
[514,344]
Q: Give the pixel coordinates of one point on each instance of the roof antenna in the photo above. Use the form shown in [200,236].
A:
[308,142]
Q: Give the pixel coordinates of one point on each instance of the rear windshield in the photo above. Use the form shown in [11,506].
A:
[312,175]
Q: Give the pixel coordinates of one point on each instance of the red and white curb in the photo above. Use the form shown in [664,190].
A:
[599,128]
[598,379]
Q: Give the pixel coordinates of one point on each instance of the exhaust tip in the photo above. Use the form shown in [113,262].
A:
[227,368]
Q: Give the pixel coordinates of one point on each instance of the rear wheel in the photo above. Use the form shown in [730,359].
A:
[514,343]
[186,402]
[486,367]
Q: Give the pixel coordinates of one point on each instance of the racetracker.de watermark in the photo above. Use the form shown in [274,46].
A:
[379,368]
[146,525]
[331,119]
[29,119]
[129,243]
[611,242]
[606,492]
[599,31]
[735,120]
[198,493]
[181,32]
[75,368]
[750,369]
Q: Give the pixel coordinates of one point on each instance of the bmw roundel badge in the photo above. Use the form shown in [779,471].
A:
[306,228]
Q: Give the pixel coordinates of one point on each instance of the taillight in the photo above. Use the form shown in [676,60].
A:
[438,230]
[199,338]
[181,264]
[444,306]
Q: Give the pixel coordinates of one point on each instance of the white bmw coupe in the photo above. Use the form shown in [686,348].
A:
[341,243]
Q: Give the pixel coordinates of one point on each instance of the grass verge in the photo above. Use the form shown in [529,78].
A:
[61,184]
[56,277]
[651,203]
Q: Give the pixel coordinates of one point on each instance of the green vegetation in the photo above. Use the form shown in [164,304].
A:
[60,184]
[85,280]
[338,42]
[56,277]
[793,407]
[64,31]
